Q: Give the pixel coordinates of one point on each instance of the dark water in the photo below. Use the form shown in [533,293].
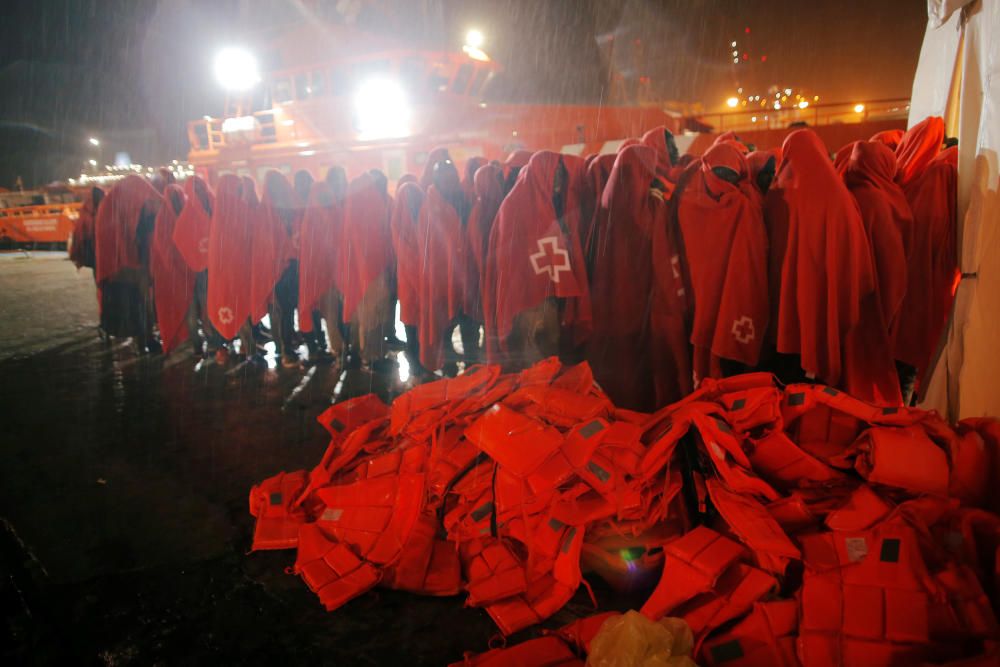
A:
[123,490]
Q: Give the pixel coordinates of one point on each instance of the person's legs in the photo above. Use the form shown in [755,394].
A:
[469,330]
[329,310]
[286,293]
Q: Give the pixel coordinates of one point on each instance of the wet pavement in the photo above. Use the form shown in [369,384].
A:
[123,498]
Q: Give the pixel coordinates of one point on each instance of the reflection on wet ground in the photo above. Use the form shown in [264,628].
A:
[123,494]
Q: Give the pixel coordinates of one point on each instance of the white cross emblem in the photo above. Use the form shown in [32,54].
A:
[203,245]
[743,330]
[548,247]
[225,314]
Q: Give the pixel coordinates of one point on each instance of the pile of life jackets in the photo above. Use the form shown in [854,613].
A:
[786,525]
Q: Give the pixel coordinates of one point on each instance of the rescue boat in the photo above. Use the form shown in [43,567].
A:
[330,94]
[37,218]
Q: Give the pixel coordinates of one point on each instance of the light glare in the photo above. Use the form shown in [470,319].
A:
[382,111]
[236,69]
[475,38]
[732,102]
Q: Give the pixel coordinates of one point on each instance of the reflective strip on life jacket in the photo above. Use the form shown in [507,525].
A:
[374,515]
[277,526]
[577,448]
[518,443]
[902,457]
[331,569]
[692,565]
[765,638]
[757,529]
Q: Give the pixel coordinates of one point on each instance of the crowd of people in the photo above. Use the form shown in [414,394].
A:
[659,269]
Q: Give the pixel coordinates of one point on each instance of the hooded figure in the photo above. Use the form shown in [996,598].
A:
[512,166]
[405,214]
[194,224]
[535,290]
[123,233]
[888,221]
[763,165]
[472,165]
[229,247]
[446,296]
[917,148]
[173,279]
[319,247]
[890,138]
[82,251]
[489,196]
[725,243]
[274,285]
[598,173]
[821,276]
[622,278]
[436,155]
[365,263]
[842,157]
[661,140]
[932,273]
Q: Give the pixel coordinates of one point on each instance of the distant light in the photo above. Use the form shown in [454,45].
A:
[736,53]
[288,122]
[381,110]
[732,102]
[206,118]
[746,56]
[815,98]
[307,153]
[734,43]
[747,30]
[236,69]
[753,119]
[763,59]
[739,90]
[302,144]
[859,108]
[93,163]
[777,106]
[475,39]
[94,141]
[804,104]
[788,91]
[736,60]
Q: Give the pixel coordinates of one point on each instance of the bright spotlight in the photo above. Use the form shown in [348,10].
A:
[859,108]
[93,163]
[804,104]
[94,141]
[382,111]
[732,102]
[236,69]
[475,39]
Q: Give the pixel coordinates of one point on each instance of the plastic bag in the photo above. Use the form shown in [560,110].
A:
[632,640]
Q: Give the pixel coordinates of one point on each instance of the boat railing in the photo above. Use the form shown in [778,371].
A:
[757,116]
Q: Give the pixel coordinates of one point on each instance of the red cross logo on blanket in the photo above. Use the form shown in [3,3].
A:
[743,330]
[225,314]
[557,258]
[203,246]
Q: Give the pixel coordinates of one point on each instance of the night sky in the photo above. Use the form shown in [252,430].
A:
[70,69]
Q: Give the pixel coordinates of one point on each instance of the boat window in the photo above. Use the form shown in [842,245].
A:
[461,83]
[482,73]
[338,81]
[411,69]
[282,90]
[303,91]
[318,83]
[438,80]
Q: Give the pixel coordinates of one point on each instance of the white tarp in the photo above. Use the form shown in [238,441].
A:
[955,79]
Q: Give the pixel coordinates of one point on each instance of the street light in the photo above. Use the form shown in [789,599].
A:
[236,69]
[94,141]
[859,108]
[732,102]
